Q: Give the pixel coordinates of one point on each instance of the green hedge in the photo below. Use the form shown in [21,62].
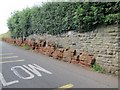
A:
[59,17]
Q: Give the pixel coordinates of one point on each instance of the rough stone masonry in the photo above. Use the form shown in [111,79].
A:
[103,43]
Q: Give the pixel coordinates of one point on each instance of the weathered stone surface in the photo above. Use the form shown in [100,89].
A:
[55,54]
[40,50]
[43,43]
[19,42]
[113,34]
[86,59]
[75,59]
[58,54]
[111,31]
[68,54]
[49,50]
[116,73]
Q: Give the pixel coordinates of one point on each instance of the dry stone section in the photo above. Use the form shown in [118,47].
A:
[102,43]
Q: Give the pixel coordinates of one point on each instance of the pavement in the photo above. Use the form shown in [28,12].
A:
[21,68]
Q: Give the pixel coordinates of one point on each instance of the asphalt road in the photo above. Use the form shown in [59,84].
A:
[27,69]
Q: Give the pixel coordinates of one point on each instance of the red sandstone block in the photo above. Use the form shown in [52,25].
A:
[46,50]
[43,43]
[86,59]
[65,55]
[68,54]
[60,53]
[40,49]
[74,62]
[76,57]
[51,51]
[55,54]
[51,44]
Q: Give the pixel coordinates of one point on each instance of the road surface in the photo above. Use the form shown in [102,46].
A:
[27,69]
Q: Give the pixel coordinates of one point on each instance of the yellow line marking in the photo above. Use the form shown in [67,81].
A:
[9,57]
[65,87]
[11,61]
[6,54]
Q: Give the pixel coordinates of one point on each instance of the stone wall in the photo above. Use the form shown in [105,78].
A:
[102,43]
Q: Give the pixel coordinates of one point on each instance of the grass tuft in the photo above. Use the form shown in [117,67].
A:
[98,68]
[26,47]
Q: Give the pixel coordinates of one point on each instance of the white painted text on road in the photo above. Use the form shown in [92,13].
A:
[30,69]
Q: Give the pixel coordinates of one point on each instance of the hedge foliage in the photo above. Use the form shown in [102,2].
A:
[59,17]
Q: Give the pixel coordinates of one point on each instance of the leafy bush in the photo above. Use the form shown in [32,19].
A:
[112,18]
[59,17]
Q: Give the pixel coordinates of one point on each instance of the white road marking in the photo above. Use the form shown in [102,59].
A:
[6,54]
[9,57]
[30,69]
[12,61]
[20,76]
[34,68]
[2,79]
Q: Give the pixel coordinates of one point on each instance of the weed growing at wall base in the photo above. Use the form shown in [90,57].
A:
[98,68]
[26,47]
